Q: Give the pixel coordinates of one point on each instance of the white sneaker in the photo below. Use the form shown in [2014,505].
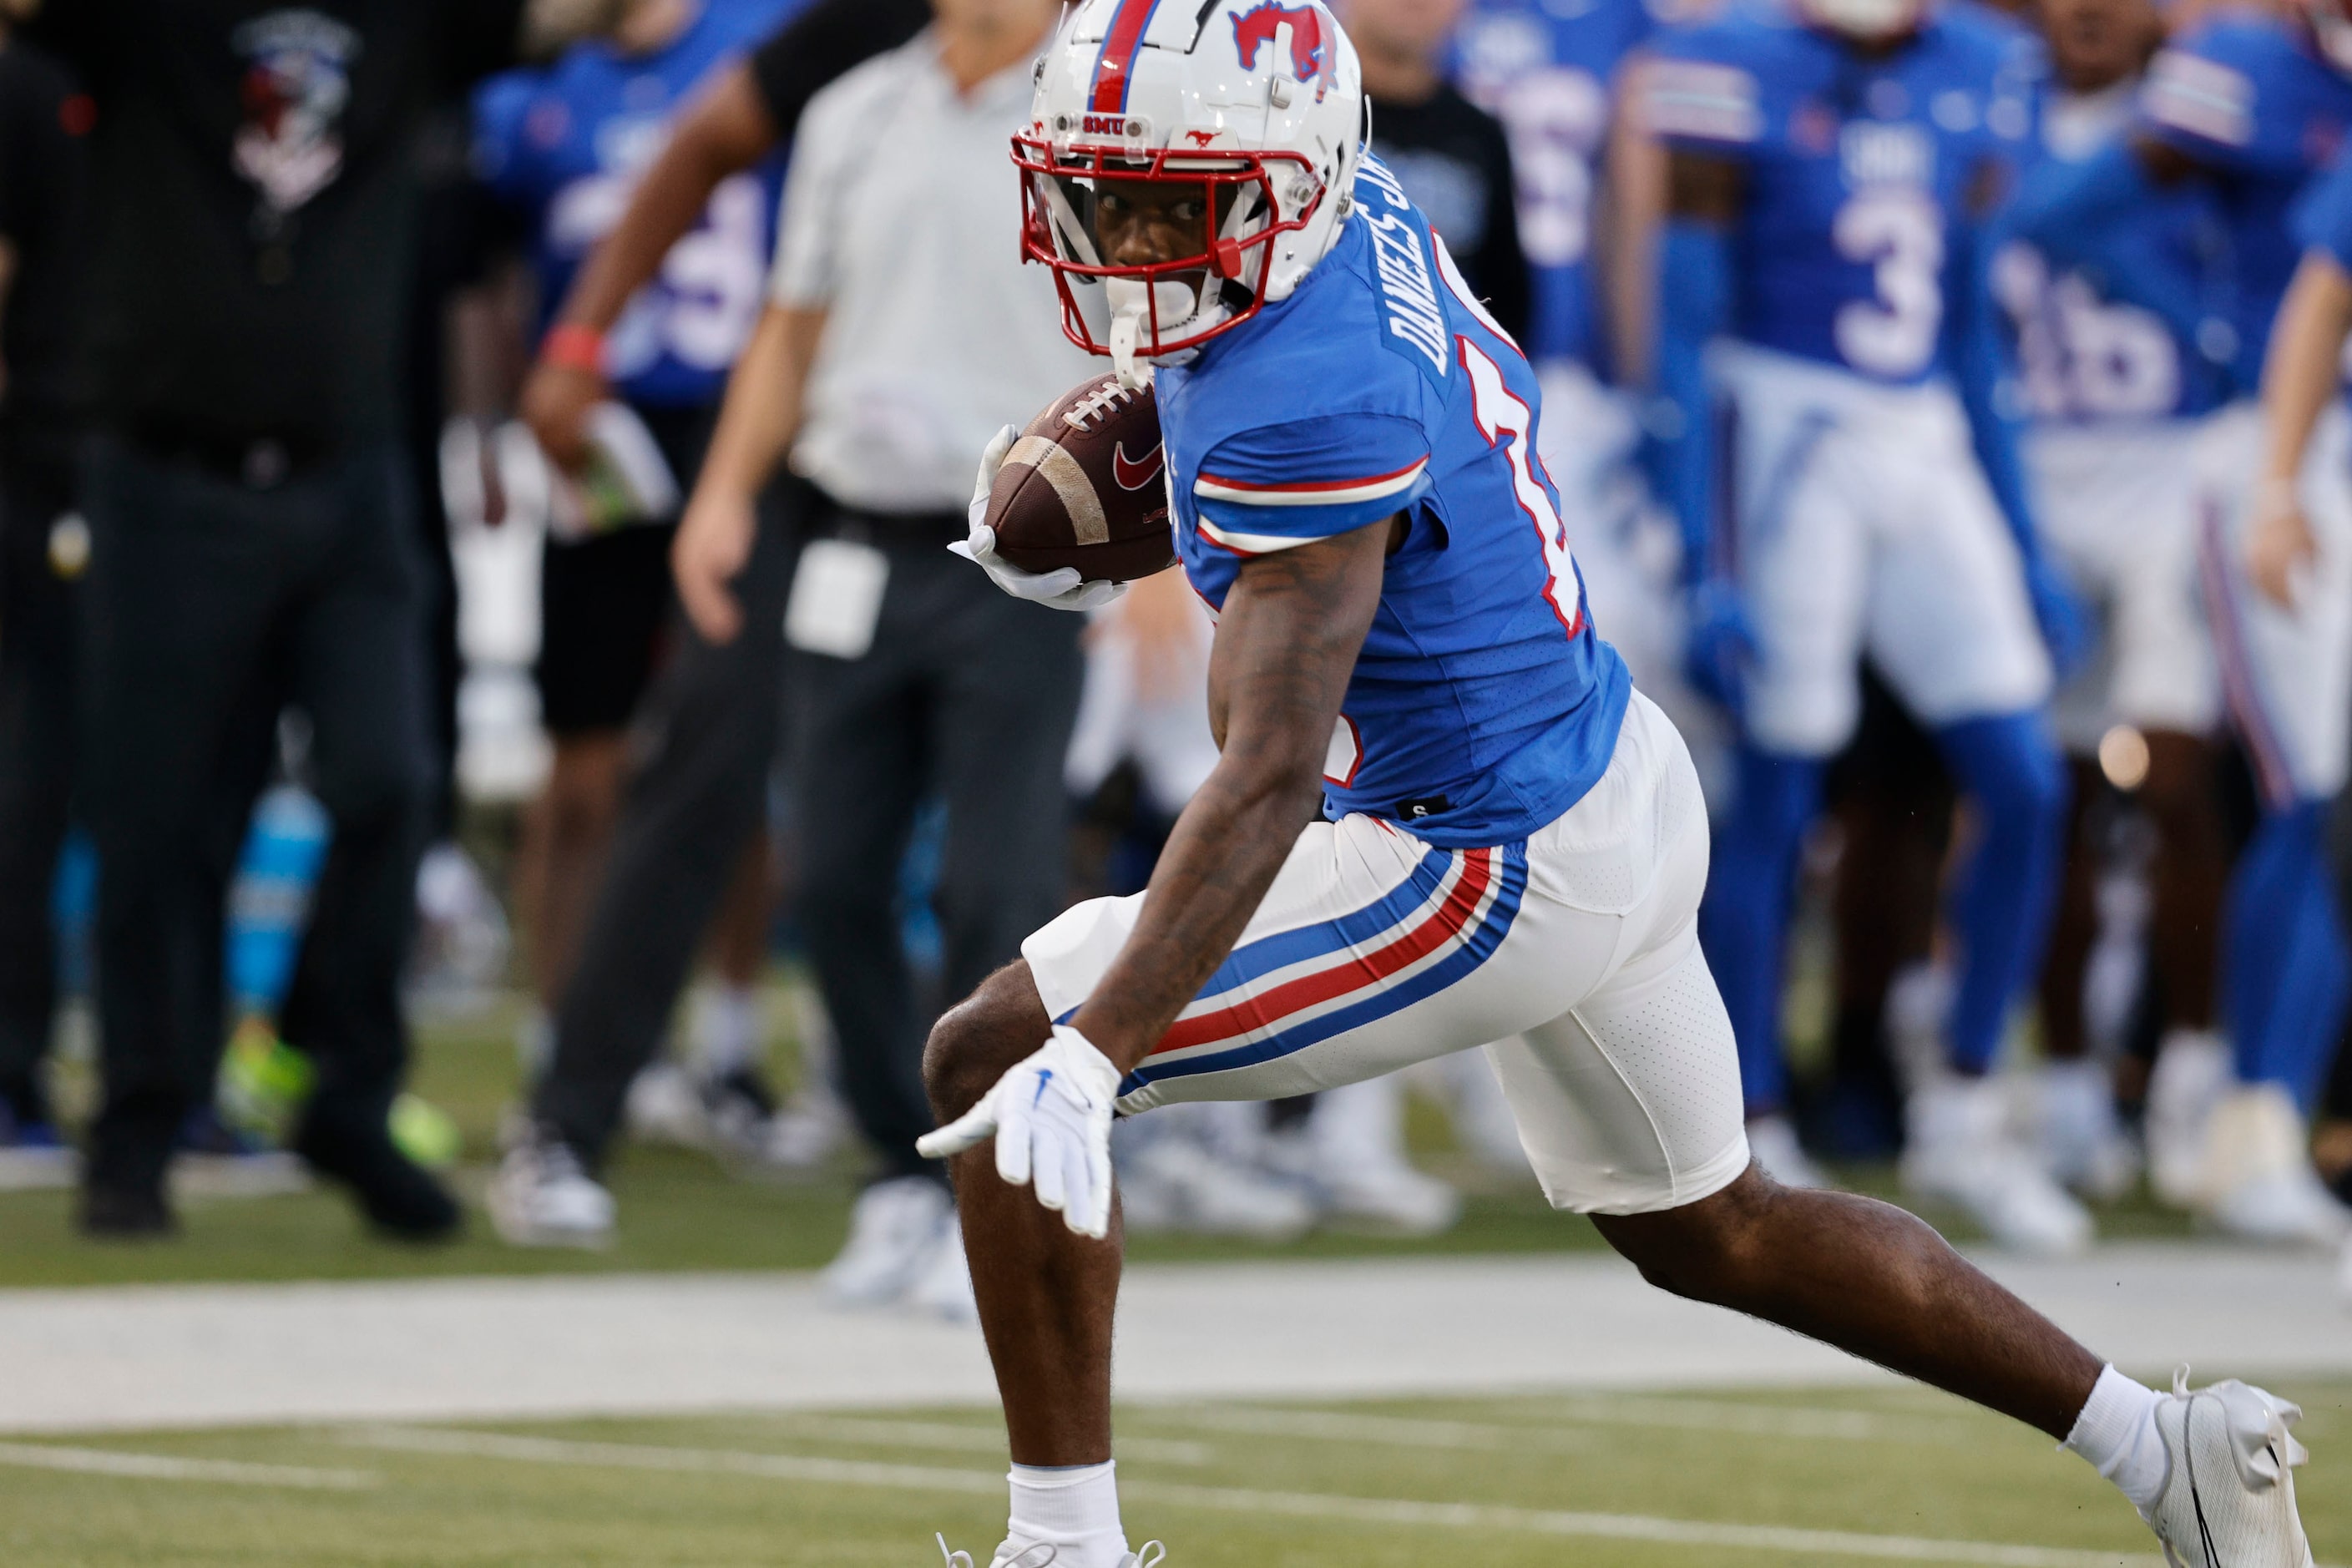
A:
[2256,1180]
[1042,1556]
[542,1197]
[942,1286]
[2084,1145]
[2192,1074]
[1958,1150]
[1774,1143]
[1354,1148]
[665,1106]
[893,1232]
[2229,1501]
[1171,1183]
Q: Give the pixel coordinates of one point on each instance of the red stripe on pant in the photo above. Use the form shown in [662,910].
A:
[1264,1013]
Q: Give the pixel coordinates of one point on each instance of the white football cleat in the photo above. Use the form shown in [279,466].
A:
[665,1107]
[1355,1159]
[1774,1143]
[543,1196]
[893,1232]
[2229,1500]
[1041,1556]
[2084,1144]
[2194,1074]
[1173,1183]
[1959,1149]
[2256,1180]
[942,1286]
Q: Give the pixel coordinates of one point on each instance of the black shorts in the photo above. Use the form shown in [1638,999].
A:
[604,602]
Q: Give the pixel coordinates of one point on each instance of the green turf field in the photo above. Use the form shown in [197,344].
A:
[1808,1477]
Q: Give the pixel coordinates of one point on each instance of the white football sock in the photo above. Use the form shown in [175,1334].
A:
[725,1034]
[2116,1432]
[1074,1511]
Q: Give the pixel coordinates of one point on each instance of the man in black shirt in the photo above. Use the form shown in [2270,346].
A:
[1450,156]
[253,202]
[44,125]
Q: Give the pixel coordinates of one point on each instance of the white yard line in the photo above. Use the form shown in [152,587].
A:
[1335,1509]
[946,1437]
[165,1468]
[1567,1428]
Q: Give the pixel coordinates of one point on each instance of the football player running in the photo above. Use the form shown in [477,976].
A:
[2113,393]
[1441,817]
[2249,105]
[1826,340]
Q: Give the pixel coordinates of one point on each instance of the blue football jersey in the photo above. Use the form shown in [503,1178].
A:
[1484,704]
[2323,218]
[2248,95]
[565,145]
[1548,71]
[1858,170]
[2083,355]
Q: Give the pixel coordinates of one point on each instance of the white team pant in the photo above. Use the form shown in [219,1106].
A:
[2286,674]
[2117,506]
[1374,951]
[1863,523]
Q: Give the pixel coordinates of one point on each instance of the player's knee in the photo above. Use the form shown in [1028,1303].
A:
[1714,1250]
[974,1042]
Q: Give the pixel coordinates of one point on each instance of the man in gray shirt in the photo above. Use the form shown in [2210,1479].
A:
[890,355]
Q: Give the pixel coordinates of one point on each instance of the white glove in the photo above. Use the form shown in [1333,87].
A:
[1050,1115]
[1063,588]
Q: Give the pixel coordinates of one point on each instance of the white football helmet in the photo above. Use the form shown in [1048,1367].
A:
[2331,28]
[1255,108]
[1867,21]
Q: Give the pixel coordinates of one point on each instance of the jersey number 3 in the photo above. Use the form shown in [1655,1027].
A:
[1501,412]
[1899,235]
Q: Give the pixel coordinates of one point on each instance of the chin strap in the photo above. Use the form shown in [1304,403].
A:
[1125,328]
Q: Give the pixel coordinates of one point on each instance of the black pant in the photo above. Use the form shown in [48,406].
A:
[703,746]
[37,663]
[209,605]
[967,694]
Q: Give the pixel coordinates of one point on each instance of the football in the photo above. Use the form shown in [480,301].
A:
[1083,486]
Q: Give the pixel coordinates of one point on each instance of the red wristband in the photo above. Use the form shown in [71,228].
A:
[575,345]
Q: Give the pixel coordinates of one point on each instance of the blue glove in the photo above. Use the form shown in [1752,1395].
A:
[1722,642]
[2058,611]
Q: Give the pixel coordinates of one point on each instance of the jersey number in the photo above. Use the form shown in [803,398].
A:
[2084,358]
[704,303]
[1500,411]
[1556,120]
[1898,234]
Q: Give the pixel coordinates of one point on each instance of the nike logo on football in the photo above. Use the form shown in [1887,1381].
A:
[1132,475]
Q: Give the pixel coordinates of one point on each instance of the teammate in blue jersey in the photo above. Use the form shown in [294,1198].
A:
[2113,393]
[2307,460]
[2249,106]
[1440,817]
[1846,485]
[1554,74]
[561,147]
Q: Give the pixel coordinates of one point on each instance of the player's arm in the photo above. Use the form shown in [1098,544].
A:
[756,425]
[1979,363]
[725,130]
[1287,644]
[2301,374]
[1628,214]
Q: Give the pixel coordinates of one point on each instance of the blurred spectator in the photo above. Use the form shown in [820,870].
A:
[1450,156]
[901,334]
[43,546]
[704,736]
[562,148]
[251,542]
